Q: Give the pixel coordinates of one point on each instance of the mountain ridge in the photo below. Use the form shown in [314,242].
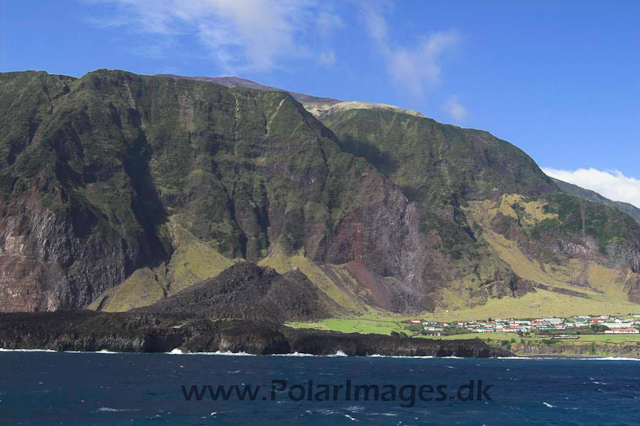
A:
[590,195]
[333,104]
[318,106]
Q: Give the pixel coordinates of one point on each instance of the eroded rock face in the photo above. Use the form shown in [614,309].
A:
[46,263]
[381,232]
[111,156]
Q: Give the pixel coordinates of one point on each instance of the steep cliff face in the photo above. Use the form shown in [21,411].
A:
[434,162]
[113,160]
[58,248]
[439,168]
[456,178]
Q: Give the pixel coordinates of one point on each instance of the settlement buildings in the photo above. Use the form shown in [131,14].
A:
[612,325]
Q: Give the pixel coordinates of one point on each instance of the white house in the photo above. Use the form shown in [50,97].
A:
[622,331]
[615,324]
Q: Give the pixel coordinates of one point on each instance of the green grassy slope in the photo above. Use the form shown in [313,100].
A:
[546,237]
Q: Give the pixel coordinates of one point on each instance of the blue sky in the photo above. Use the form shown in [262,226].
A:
[559,79]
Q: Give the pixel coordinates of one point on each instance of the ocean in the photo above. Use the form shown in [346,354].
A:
[86,388]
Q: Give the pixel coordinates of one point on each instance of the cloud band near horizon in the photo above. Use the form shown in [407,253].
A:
[613,185]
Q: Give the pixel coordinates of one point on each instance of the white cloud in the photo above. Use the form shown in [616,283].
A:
[327,58]
[415,68]
[613,185]
[376,24]
[455,109]
[239,34]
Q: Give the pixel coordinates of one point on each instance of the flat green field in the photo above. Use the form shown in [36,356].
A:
[385,325]
[369,324]
[609,338]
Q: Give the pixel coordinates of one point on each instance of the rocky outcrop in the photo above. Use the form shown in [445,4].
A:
[574,348]
[354,344]
[249,292]
[88,331]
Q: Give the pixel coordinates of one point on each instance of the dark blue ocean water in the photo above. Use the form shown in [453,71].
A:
[37,387]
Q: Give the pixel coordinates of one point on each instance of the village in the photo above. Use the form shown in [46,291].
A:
[557,327]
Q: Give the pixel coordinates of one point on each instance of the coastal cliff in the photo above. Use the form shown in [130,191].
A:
[143,332]
[629,349]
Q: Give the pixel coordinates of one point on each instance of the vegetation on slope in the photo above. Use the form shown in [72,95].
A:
[120,190]
[456,175]
[113,162]
[586,194]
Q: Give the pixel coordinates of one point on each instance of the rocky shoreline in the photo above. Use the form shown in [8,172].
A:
[144,332]
[578,350]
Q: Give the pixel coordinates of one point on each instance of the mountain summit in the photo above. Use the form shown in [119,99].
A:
[319,107]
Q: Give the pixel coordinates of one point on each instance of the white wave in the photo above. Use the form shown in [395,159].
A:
[103,351]
[301,354]
[415,356]
[115,410]
[26,350]
[323,411]
[611,358]
[351,418]
[340,353]
[548,405]
[519,357]
[400,356]
[225,353]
